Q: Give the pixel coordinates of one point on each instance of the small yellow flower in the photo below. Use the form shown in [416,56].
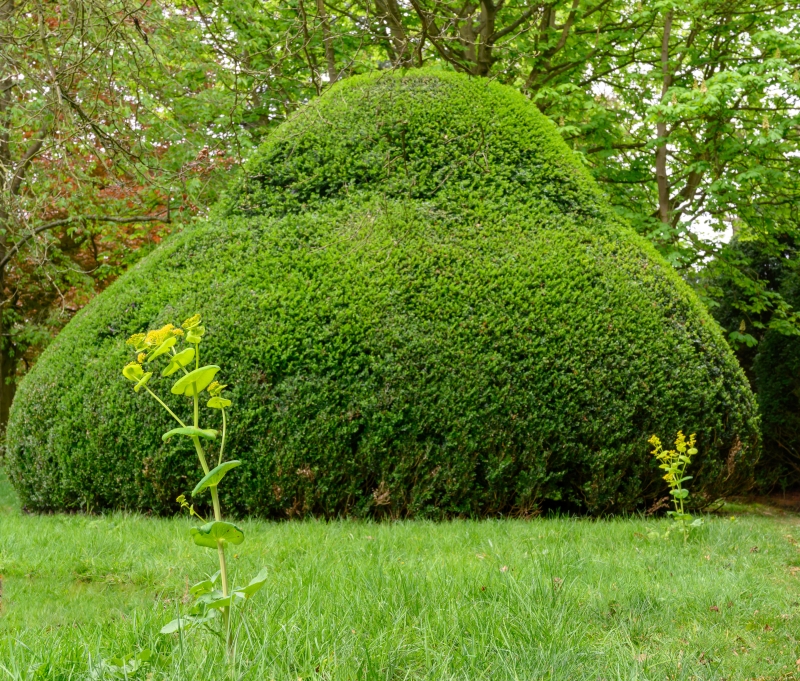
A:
[136,341]
[191,322]
[216,388]
[133,371]
[156,337]
[141,357]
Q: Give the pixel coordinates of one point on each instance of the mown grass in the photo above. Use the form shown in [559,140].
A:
[554,598]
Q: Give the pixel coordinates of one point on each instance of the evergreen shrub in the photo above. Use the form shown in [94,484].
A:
[426,309]
[772,359]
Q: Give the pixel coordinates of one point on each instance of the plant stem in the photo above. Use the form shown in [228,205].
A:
[222,445]
[201,455]
[165,406]
[223,568]
[680,489]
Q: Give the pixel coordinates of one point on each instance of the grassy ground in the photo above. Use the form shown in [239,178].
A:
[554,599]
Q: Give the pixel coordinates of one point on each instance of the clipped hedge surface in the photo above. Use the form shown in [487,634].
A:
[423,307]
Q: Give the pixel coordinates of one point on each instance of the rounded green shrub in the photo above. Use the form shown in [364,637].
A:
[424,307]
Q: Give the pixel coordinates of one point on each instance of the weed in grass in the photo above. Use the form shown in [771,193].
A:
[216,534]
[674,462]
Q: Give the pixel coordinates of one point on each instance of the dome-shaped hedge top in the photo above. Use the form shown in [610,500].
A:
[427,135]
[423,306]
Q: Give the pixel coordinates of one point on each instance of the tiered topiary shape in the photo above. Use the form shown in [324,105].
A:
[428,310]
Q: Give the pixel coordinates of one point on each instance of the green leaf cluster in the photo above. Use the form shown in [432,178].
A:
[758,312]
[210,600]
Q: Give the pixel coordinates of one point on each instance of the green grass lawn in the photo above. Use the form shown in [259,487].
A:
[552,599]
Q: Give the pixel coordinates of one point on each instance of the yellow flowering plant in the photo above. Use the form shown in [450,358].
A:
[674,463]
[193,380]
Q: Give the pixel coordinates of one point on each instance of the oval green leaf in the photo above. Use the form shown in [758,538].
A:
[218,403]
[143,381]
[210,533]
[191,431]
[198,380]
[204,587]
[187,622]
[220,602]
[179,361]
[161,349]
[255,584]
[195,335]
[213,478]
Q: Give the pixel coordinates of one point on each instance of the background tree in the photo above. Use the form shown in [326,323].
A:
[104,139]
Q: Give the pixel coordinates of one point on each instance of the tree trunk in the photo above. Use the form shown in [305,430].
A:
[389,10]
[327,40]
[8,371]
[661,128]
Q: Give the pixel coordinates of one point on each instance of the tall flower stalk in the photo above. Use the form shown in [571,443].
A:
[218,533]
[674,463]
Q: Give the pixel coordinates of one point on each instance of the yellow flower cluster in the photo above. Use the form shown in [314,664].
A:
[157,342]
[671,458]
[142,342]
[191,322]
[216,388]
[136,341]
[156,337]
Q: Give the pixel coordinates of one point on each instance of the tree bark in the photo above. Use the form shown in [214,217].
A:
[661,127]
[327,41]
[390,12]
[8,370]
[7,360]
[484,60]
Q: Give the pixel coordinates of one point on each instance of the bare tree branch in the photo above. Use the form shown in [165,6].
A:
[77,218]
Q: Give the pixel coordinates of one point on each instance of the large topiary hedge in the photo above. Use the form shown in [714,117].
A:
[424,307]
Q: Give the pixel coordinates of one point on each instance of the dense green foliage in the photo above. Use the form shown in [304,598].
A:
[425,307]
[776,371]
[767,350]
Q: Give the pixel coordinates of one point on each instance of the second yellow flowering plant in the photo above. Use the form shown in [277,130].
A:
[674,463]
[195,379]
